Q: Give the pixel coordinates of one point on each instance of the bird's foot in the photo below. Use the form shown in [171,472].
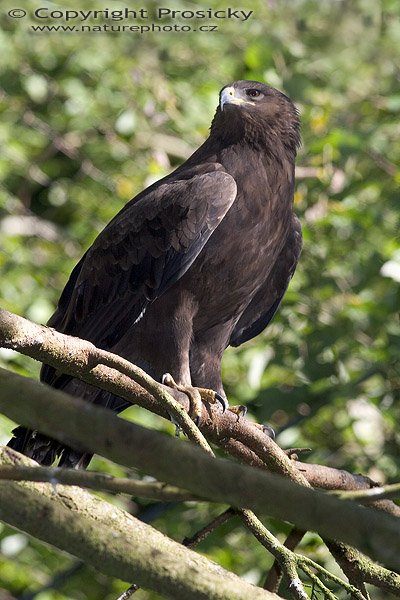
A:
[196,397]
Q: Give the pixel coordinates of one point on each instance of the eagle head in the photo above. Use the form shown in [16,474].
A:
[258,113]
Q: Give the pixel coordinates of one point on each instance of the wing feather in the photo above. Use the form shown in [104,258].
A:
[145,249]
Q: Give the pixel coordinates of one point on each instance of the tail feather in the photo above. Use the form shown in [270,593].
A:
[35,445]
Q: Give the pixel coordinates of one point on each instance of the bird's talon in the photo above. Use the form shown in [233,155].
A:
[269,431]
[223,401]
[242,410]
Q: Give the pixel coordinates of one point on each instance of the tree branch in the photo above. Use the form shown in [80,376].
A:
[239,437]
[344,483]
[274,576]
[371,494]
[190,543]
[201,535]
[95,429]
[96,481]
[114,542]
[83,360]
[291,562]
[285,557]
[359,570]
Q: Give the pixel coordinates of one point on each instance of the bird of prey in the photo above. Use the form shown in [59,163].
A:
[198,261]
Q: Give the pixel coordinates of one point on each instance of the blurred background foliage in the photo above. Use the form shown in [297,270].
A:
[89,119]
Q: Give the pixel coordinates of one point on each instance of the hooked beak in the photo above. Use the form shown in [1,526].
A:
[229,96]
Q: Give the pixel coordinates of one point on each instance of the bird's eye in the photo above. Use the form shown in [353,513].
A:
[252,93]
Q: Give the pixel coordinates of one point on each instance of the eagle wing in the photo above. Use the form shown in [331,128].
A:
[266,301]
[144,250]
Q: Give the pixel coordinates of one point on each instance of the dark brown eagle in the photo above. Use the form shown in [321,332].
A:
[198,261]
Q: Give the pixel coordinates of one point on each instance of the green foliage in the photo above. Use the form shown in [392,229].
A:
[87,120]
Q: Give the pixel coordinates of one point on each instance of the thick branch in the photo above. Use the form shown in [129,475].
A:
[365,489]
[114,542]
[95,429]
[109,371]
[318,476]
[239,437]
[82,359]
